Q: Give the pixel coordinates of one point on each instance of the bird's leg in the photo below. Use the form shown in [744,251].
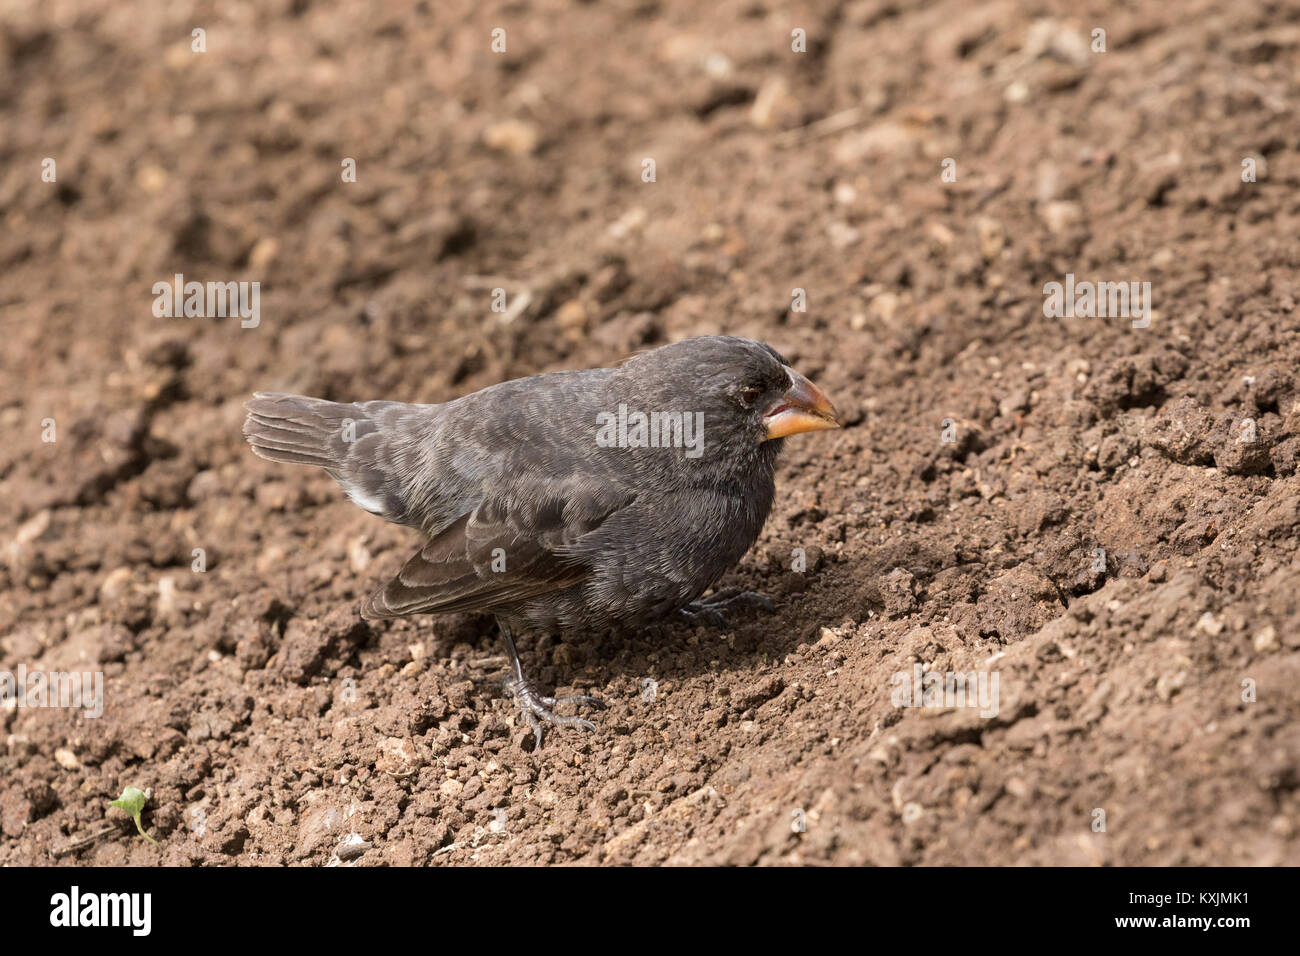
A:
[534,706]
[709,609]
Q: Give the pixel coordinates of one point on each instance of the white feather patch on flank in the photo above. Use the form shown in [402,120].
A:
[365,501]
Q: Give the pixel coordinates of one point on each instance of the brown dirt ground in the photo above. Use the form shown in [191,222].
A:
[228,691]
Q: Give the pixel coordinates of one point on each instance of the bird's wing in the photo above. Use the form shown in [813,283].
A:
[503,552]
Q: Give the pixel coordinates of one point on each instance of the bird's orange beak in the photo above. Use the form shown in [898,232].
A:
[803,408]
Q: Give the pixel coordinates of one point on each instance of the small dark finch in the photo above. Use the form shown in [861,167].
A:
[569,500]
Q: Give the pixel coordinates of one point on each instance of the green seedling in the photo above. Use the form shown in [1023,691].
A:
[132,801]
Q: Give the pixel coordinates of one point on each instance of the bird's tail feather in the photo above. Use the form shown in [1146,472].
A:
[302,430]
[359,444]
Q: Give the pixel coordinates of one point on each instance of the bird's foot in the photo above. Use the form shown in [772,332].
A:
[709,609]
[537,709]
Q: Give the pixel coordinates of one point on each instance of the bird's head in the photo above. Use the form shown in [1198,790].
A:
[746,392]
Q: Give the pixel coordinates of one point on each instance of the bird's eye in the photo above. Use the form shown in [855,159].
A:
[749,394]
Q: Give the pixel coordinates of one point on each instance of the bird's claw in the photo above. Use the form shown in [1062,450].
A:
[537,709]
[705,615]
[709,609]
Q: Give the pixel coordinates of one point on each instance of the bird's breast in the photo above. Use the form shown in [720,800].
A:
[668,551]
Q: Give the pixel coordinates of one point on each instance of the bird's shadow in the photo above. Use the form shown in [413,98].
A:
[673,647]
